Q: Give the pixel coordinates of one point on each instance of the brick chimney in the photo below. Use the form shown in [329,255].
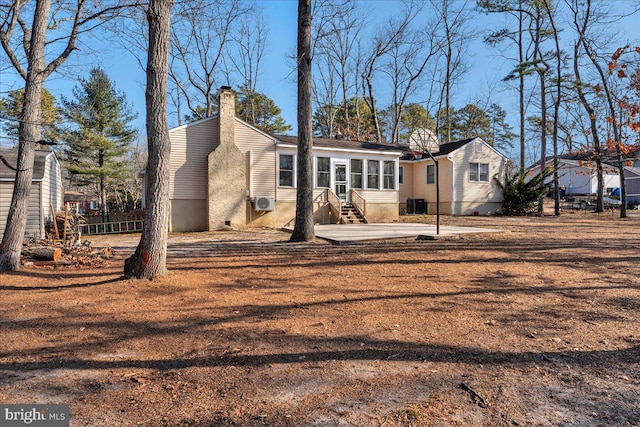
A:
[227,174]
[226,114]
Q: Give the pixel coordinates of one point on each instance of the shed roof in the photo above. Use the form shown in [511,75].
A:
[11,157]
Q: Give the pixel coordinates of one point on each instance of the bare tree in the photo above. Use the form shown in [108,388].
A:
[150,258]
[455,17]
[24,40]
[408,60]
[538,35]
[250,44]
[606,90]
[336,63]
[382,44]
[303,228]
[556,103]
[201,35]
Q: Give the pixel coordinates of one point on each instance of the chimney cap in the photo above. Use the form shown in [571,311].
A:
[225,87]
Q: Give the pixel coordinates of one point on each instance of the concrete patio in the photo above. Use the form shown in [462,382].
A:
[345,233]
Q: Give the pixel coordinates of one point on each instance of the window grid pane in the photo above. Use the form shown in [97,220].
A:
[473,172]
[286,170]
[356,173]
[373,174]
[484,172]
[431,174]
[389,175]
[323,172]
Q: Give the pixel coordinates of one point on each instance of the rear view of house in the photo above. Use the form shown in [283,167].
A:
[45,194]
[225,172]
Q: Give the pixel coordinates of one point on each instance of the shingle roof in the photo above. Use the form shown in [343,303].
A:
[444,149]
[342,143]
[11,157]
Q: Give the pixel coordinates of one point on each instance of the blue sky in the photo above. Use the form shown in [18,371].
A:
[486,65]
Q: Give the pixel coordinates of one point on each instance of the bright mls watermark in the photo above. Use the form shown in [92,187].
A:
[34,415]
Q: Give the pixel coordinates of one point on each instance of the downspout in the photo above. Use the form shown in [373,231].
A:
[41,210]
[453,186]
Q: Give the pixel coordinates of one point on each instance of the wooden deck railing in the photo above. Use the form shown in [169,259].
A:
[358,202]
[335,204]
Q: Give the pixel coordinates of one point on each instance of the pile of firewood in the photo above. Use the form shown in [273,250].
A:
[52,253]
[64,245]
[66,227]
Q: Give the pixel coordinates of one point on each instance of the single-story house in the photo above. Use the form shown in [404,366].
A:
[466,171]
[579,177]
[46,190]
[81,202]
[224,172]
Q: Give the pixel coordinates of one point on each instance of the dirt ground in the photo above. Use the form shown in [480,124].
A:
[537,325]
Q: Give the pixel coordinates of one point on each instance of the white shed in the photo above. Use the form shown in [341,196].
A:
[46,190]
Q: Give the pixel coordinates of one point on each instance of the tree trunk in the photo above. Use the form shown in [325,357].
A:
[29,133]
[556,111]
[47,254]
[149,259]
[521,93]
[542,75]
[303,228]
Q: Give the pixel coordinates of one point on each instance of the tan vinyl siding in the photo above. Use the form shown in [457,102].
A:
[188,164]
[34,224]
[288,194]
[379,196]
[406,189]
[481,192]
[428,192]
[262,179]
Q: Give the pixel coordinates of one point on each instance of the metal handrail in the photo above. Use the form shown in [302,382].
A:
[335,204]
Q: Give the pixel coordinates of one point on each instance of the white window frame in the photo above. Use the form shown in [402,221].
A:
[386,175]
[478,172]
[293,170]
[377,174]
[327,172]
[362,173]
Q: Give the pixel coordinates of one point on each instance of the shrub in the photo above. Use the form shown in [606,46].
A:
[521,195]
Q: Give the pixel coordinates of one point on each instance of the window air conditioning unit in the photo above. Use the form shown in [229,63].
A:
[263,203]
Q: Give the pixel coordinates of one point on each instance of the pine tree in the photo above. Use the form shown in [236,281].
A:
[51,117]
[260,111]
[96,146]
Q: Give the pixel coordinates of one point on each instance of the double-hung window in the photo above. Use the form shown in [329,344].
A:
[356,173]
[323,172]
[373,174]
[285,163]
[431,174]
[389,175]
[479,172]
